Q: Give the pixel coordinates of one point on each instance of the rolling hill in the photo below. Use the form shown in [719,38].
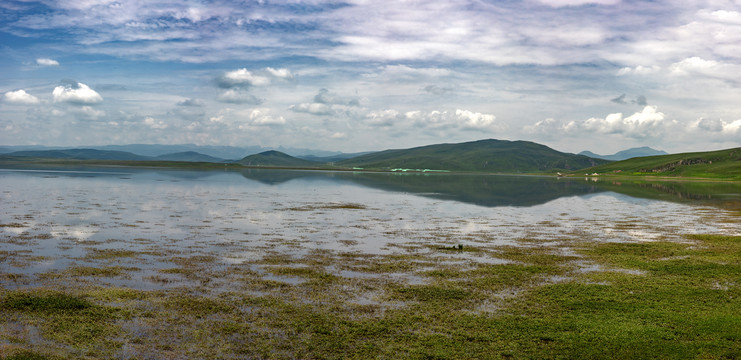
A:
[495,156]
[274,158]
[722,164]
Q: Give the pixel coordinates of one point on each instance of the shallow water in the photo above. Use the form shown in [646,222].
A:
[145,221]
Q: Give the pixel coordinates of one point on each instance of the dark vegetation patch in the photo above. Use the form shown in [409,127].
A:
[328,206]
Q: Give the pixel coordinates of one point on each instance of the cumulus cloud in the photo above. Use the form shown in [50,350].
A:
[547,128]
[236,96]
[47,62]
[262,117]
[241,78]
[386,117]
[460,119]
[641,124]
[21,97]
[280,73]
[649,122]
[475,120]
[75,92]
[696,66]
[312,108]
[717,126]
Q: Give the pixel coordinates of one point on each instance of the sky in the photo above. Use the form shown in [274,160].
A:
[362,75]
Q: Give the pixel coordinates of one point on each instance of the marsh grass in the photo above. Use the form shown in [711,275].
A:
[686,304]
[106,254]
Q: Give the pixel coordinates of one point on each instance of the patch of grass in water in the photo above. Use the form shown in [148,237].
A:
[431,293]
[43,302]
[13,225]
[22,354]
[103,254]
[328,206]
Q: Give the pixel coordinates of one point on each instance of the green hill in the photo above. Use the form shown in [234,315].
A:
[274,158]
[722,164]
[493,156]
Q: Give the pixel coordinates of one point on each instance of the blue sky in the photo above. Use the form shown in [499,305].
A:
[599,75]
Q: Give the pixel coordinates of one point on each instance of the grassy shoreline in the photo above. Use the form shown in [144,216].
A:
[234,166]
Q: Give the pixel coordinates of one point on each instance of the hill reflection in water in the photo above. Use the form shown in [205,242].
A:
[502,190]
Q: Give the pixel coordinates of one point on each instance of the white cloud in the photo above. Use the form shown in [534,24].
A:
[717,126]
[387,117]
[78,93]
[460,119]
[639,70]
[261,116]
[312,108]
[21,97]
[708,68]
[241,78]
[154,123]
[647,123]
[474,120]
[47,62]
[280,73]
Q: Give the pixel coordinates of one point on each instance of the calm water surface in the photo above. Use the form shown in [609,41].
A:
[53,219]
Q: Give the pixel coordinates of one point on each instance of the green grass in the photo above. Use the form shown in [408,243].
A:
[723,164]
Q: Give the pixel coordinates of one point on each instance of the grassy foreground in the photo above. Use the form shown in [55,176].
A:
[606,300]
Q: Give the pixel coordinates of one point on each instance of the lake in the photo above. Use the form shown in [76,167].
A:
[145,220]
[122,263]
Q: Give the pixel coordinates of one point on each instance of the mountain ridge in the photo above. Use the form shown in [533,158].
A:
[626,154]
[488,155]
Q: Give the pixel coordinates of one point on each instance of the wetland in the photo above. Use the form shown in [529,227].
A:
[131,263]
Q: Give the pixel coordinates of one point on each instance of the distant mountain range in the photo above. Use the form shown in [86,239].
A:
[93,154]
[219,152]
[489,156]
[626,154]
[495,156]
